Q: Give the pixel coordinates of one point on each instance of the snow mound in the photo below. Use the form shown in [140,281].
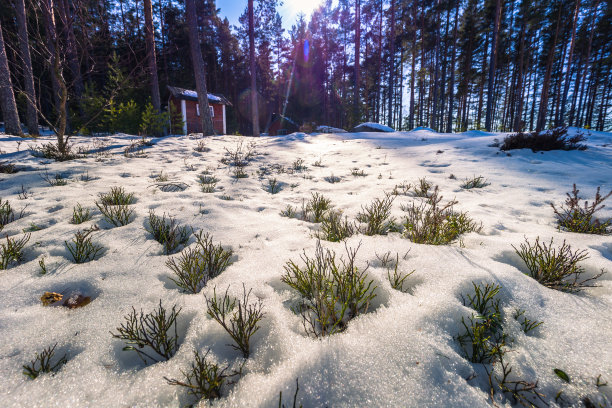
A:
[372,127]
[416,129]
[329,129]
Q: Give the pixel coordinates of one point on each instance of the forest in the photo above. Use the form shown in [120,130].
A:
[100,66]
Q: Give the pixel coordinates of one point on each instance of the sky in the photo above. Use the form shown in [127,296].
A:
[232,9]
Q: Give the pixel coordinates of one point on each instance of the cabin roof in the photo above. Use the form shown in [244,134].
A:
[189,95]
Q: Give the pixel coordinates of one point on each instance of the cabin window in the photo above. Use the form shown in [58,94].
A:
[197,109]
[212,111]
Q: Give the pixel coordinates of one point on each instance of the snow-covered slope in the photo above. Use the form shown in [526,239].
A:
[401,353]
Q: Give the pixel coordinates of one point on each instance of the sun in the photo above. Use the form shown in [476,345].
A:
[291,8]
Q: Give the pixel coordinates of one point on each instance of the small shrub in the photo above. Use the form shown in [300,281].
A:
[289,211]
[332,179]
[207,183]
[226,197]
[82,249]
[239,317]
[7,214]
[552,139]
[377,216]
[298,165]
[435,224]
[161,177]
[43,363]
[273,186]
[318,163]
[397,279]
[117,196]
[7,168]
[317,206]
[80,215]
[11,253]
[402,189]
[332,292]
[196,266]
[118,215]
[204,380]
[150,335]
[356,172]
[51,151]
[241,155]
[201,147]
[43,266]
[167,232]
[57,180]
[423,188]
[483,339]
[474,182]
[526,324]
[573,217]
[334,228]
[555,268]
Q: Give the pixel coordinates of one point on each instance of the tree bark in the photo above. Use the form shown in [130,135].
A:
[391,65]
[198,68]
[150,42]
[254,107]
[489,117]
[71,50]
[356,100]
[451,89]
[568,75]
[7,97]
[541,123]
[28,76]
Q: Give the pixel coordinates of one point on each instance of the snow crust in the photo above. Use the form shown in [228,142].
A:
[329,129]
[402,353]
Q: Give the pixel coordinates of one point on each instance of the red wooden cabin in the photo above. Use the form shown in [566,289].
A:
[185,101]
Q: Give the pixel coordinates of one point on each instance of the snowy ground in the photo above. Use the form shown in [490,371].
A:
[401,353]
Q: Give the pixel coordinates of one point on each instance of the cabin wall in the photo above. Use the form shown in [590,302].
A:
[193,120]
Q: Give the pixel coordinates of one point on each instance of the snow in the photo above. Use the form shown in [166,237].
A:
[371,125]
[194,94]
[329,129]
[402,353]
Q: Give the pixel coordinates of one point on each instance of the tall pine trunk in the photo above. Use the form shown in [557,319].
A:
[7,97]
[489,116]
[541,123]
[568,76]
[391,65]
[356,100]
[198,68]
[254,108]
[28,76]
[150,42]
[451,89]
